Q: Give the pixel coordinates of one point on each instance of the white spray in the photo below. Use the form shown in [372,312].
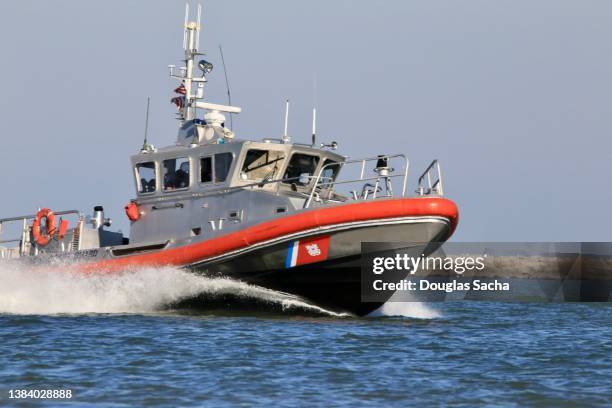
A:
[416,310]
[25,290]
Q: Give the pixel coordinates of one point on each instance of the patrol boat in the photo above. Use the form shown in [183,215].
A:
[272,213]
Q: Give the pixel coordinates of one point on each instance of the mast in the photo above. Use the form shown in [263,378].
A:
[192,88]
[192,31]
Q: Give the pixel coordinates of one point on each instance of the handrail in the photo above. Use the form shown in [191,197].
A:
[436,186]
[24,239]
[8,241]
[362,174]
[31,217]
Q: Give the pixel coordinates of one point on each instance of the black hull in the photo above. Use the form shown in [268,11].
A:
[333,285]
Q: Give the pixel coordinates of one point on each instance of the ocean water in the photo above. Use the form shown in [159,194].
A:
[119,342]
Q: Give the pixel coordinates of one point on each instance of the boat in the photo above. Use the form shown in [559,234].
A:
[275,213]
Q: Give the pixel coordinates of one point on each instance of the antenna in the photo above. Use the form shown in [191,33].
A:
[198,28]
[314,126]
[229,95]
[314,108]
[145,146]
[286,137]
[185,26]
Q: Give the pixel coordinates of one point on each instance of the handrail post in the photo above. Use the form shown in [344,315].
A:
[406,165]
[313,188]
[440,187]
[24,237]
[433,186]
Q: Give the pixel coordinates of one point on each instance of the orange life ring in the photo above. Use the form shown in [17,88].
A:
[132,211]
[40,238]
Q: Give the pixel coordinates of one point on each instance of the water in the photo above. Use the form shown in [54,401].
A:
[113,341]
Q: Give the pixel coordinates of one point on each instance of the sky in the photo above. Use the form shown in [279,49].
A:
[513,97]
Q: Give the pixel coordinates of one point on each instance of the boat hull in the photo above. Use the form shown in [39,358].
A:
[335,282]
[314,254]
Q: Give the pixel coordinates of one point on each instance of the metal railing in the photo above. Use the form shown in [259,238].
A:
[24,239]
[434,180]
[33,216]
[383,175]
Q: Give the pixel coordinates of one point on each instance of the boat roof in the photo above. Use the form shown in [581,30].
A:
[234,146]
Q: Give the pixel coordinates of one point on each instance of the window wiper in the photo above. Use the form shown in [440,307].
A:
[249,169]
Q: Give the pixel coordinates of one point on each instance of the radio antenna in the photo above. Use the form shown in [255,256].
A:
[198,28]
[185,26]
[314,126]
[286,137]
[229,95]
[314,108]
[145,145]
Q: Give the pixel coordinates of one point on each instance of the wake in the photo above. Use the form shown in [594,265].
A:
[416,310]
[25,290]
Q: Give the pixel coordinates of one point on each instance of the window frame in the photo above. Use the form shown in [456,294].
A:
[163,184]
[317,166]
[229,170]
[214,170]
[139,179]
[282,167]
[337,167]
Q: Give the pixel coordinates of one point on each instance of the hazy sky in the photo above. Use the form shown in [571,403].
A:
[514,98]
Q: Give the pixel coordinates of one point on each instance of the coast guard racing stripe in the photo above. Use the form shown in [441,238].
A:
[307,251]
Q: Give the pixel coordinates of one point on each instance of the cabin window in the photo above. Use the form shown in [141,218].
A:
[146,177]
[261,165]
[330,172]
[223,162]
[176,174]
[300,164]
[206,170]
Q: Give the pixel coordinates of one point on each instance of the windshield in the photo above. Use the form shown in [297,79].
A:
[261,164]
[298,165]
[330,171]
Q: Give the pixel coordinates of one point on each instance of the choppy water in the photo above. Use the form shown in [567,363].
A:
[110,341]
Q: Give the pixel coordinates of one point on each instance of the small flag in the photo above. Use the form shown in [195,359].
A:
[179,101]
[307,251]
[181,90]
